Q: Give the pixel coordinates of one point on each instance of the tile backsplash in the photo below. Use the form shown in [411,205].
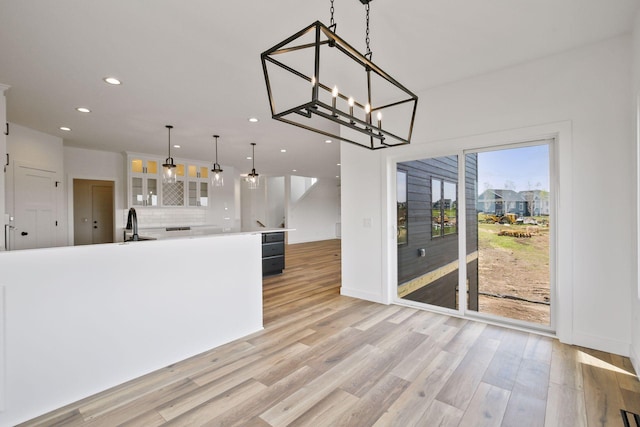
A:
[162,217]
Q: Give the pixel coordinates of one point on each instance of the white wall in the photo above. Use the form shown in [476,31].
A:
[4,221]
[91,317]
[224,209]
[275,201]
[361,221]
[36,149]
[315,214]
[635,284]
[253,205]
[3,156]
[588,88]
[80,163]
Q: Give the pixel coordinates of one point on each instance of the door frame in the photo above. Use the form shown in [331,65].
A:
[561,173]
[116,191]
[107,183]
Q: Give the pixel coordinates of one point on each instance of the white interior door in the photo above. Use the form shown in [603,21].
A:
[34,209]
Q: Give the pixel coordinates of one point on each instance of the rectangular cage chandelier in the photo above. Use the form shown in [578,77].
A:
[317,81]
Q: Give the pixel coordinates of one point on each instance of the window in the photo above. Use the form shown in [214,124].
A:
[444,208]
[402,207]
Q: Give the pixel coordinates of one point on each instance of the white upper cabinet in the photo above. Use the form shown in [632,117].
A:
[145,186]
[143,177]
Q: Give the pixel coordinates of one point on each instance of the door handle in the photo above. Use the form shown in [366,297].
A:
[24,233]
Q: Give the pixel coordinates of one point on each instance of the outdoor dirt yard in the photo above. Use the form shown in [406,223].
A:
[514,266]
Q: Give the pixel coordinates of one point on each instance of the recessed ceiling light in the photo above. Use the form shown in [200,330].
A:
[253,119]
[327,141]
[295,170]
[112,81]
[337,176]
[176,146]
[83,109]
[283,151]
[338,164]
[65,128]
[248,157]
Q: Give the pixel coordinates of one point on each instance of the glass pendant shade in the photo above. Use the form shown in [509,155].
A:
[169,172]
[217,180]
[168,167]
[216,172]
[253,179]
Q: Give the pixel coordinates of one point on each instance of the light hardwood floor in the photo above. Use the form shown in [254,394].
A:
[328,360]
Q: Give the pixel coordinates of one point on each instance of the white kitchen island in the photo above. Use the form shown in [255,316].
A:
[79,320]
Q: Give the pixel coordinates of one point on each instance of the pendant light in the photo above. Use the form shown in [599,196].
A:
[252,178]
[312,96]
[169,168]
[216,173]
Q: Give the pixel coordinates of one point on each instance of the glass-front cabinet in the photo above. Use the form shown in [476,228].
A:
[146,188]
[198,185]
[143,181]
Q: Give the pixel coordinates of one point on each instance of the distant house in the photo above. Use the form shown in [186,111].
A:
[521,203]
[500,202]
[537,202]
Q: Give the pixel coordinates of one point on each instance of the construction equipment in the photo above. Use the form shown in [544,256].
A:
[509,218]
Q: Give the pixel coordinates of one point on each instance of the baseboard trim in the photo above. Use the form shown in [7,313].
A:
[600,343]
[367,296]
[635,360]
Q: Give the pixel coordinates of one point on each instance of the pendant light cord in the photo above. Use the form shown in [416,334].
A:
[216,137]
[367,40]
[169,127]
[253,158]
[332,23]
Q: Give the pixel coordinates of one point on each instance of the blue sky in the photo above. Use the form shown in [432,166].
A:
[525,168]
[518,169]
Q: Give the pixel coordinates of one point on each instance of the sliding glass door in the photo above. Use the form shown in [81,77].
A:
[513,206]
[507,210]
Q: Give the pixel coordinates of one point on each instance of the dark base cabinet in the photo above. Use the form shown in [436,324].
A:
[272,253]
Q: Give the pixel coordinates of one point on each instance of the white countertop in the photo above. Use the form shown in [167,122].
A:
[191,231]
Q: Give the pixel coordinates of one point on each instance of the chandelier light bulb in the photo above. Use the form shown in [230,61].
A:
[379,119]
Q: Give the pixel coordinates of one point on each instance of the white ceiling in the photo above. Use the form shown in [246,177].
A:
[196,64]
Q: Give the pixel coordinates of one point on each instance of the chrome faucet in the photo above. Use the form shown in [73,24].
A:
[132,224]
